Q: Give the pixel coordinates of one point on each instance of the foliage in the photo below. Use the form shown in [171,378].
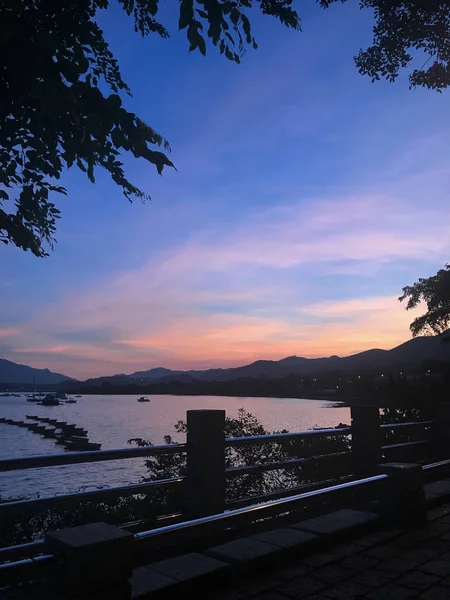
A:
[60,105]
[435,293]
[60,88]
[147,507]
[405,32]
[28,525]
[245,486]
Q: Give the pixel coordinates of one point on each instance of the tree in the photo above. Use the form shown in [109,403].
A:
[327,459]
[60,103]
[56,71]
[405,32]
[435,292]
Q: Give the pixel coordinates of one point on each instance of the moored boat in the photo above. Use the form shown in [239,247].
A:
[50,400]
[80,444]
[143,399]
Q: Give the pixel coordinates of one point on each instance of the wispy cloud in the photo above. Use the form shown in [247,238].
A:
[231,297]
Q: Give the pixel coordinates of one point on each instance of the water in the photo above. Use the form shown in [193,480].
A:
[113,420]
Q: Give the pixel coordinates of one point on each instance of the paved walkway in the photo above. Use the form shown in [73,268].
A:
[386,565]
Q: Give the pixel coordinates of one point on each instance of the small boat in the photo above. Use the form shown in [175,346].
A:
[80,444]
[47,432]
[78,396]
[61,395]
[71,401]
[50,400]
[73,430]
[33,398]
[143,399]
[33,426]
[35,417]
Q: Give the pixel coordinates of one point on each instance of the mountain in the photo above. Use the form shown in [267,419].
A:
[11,372]
[154,374]
[407,356]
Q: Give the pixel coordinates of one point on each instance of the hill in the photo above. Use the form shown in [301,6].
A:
[11,372]
[405,357]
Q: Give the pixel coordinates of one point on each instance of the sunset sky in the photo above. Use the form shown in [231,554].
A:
[305,198]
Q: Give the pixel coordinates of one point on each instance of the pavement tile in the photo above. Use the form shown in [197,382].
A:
[342,550]
[271,596]
[293,571]
[320,559]
[145,582]
[372,539]
[437,592]
[346,591]
[392,591]
[286,538]
[188,566]
[353,517]
[381,552]
[418,580]
[229,594]
[259,583]
[301,587]
[438,567]
[374,577]
[420,554]
[242,550]
[334,573]
[359,562]
[439,512]
[398,565]
[323,525]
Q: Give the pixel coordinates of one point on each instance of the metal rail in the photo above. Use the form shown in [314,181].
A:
[409,424]
[404,445]
[28,568]
[44,565]
[285,437]
[74,458]
[259,511]
[283,493]
[42,504]
[283,464]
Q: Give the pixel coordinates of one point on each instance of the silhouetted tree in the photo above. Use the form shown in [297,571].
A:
[60,87]
[60,104]
[435,293]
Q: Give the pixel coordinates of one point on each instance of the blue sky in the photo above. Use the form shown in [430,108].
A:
[305,198]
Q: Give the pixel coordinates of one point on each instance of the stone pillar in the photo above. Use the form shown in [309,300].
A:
[440,431]
[366,440]
[205,480]
[402,499]
[96,561]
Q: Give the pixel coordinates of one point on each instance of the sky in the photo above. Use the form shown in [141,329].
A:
[305,198]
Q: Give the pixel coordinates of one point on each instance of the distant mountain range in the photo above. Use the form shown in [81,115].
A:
[11,372]
[407,356]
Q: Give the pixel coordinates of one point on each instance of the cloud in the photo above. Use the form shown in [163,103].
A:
[232,296]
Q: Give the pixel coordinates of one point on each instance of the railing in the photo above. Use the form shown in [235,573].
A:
[204,486]
[48,565]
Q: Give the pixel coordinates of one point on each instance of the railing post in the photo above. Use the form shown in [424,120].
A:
[366,439]
[440,430]
[402,500]
[205,480]
[96,561]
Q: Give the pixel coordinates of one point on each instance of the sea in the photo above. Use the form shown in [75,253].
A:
[113,420]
